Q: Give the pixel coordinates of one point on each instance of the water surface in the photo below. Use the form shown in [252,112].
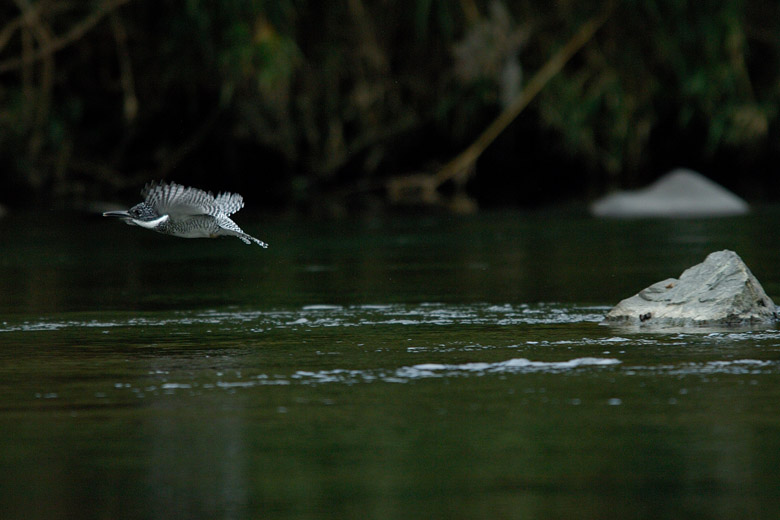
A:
[428,367]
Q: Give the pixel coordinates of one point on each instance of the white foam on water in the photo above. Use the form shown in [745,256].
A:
[511,367]
[327,315]
[733,367]
[236,384]
[738,366]
[343,376]
[175,386]
[410,373]
[516,365]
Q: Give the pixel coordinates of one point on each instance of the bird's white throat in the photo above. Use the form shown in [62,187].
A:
[151,224]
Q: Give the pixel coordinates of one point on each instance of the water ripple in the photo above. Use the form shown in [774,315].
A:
[514,366]
[313,316]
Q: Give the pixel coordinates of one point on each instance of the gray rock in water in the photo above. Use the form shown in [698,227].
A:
[721,291]
[679,193]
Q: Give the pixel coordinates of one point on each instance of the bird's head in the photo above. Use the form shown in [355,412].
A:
[141,214]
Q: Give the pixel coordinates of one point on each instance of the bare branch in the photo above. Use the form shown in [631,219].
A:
[7,32]
[460,167]
[125,68]
[59,43]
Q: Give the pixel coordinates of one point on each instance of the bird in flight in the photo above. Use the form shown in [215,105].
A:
[173,209]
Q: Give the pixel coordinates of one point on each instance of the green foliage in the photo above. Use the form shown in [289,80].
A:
[342,92]
[653,60]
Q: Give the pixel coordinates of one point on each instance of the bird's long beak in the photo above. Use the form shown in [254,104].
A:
[118,214]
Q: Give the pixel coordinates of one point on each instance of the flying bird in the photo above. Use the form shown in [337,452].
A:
[173,209]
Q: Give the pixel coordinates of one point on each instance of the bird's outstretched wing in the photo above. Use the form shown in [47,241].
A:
[229,203]
[175,199]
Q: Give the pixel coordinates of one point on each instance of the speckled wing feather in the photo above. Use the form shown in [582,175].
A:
[229,203]
[175,199]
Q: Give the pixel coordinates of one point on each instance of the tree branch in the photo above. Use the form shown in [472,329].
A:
[461,166]
[58,43]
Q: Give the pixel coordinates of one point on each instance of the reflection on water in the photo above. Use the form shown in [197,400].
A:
[54,263]
[408,368]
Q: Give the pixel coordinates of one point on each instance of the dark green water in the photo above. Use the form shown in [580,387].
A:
[430,367]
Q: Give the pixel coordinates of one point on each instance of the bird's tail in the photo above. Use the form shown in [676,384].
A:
[248,239]
[231,228]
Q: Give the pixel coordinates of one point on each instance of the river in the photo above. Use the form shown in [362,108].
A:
[387,367]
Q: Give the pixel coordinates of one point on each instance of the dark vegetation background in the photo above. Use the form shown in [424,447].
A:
[311,106]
